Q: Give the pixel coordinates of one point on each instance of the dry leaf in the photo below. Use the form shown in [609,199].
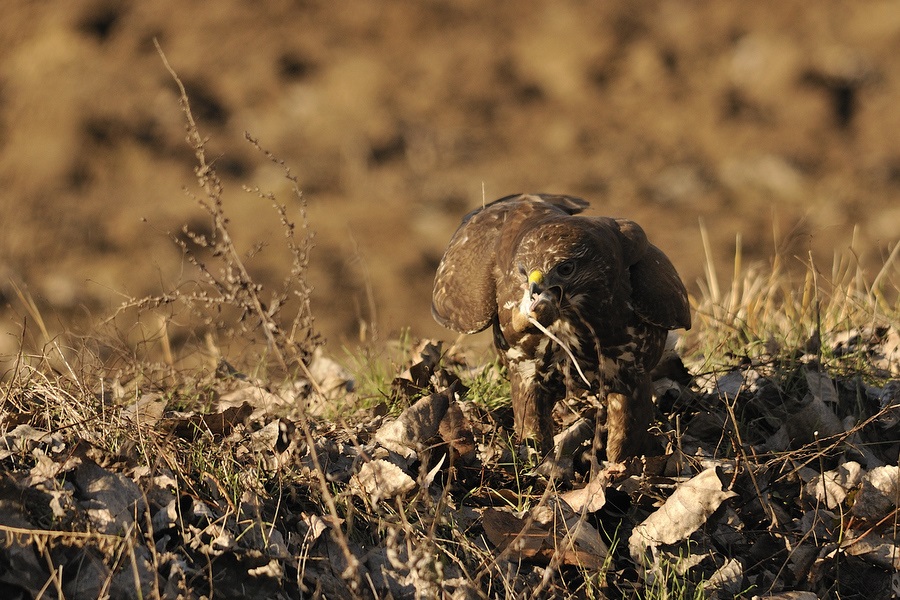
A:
[48,467]
[708,425]
[889,401]
[259,398]
[801,560]
[821,387]
[573,438]
[731,384]
[329,375]
[503,528]
[429,477]
[147,410]
[388,580]
[456,431]
[882,551]
[591,497]
[381,479]
[580,542]
[814,421]
[22,565]
[832,487]
[420,373]
[684,512]
[22,440]
[818,521]
[552,531]
[111,500]
[166,516]
[419,376]
[878,493]
[216,424]
[272,569]
[315,526]
[728,578]
[416,425]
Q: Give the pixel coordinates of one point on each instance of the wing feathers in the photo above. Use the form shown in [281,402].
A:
[657,293]
[465,286]
[465,297]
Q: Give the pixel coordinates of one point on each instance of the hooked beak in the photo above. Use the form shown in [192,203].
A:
[538,294]
[538,302]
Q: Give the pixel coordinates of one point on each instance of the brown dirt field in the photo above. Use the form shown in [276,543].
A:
[777,121]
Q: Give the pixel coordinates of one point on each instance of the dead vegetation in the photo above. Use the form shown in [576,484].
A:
[266,469]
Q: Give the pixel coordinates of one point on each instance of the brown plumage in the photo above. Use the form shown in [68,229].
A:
[595,283]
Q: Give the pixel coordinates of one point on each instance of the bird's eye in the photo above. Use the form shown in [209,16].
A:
[565,269]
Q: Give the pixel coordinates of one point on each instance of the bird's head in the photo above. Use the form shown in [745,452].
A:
[539,301]
[557,265]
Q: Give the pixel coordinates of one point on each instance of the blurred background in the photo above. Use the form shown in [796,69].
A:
[774,120]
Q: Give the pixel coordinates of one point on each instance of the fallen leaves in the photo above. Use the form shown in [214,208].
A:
[551,532]
[832,487]
[219,424]
[683,513]
[380,479]
[780,481]
[879,493]
[416,426]
[591,497]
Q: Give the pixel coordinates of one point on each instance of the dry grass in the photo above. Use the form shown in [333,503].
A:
[146,473]
[768,307]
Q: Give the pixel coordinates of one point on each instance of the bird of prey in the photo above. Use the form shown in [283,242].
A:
[576,302]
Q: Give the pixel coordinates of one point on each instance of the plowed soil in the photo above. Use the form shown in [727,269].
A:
[775,121]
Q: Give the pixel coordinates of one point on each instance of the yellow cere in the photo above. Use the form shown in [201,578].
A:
[535,277]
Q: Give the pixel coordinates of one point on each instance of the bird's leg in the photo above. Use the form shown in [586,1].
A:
[532,410]
[628,416]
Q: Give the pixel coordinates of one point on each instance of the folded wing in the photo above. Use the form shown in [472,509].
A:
[465,296]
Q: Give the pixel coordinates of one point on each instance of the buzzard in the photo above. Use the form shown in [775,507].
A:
[574,301]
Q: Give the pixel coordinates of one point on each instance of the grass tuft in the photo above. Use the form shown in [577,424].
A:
[238,473]
[772,310]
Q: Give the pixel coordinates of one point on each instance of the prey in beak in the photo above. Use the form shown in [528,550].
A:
[539,302]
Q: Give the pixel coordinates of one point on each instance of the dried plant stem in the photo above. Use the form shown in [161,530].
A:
[212,187]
